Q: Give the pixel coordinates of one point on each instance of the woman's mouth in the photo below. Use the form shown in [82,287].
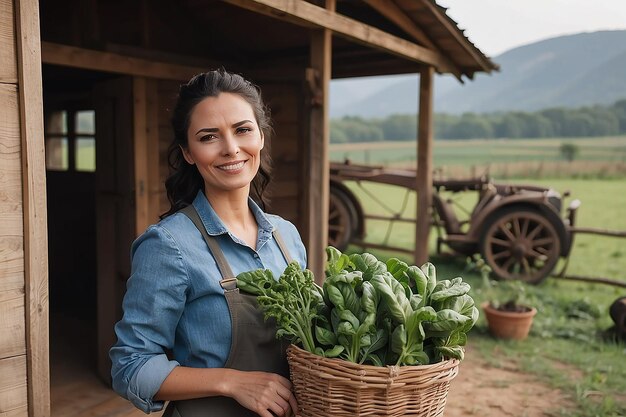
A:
[233,166]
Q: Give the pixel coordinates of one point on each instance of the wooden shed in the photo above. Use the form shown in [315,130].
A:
[85,88]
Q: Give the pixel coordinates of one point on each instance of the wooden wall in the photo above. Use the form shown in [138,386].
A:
[13,391]
[23,259]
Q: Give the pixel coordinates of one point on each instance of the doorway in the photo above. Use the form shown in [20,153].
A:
[78,154]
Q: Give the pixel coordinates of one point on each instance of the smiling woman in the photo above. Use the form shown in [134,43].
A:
[187,335]
[225,144]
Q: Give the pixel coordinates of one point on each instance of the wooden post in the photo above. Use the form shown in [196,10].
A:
[424,184]
[146,153]
[317,177]
[34,205]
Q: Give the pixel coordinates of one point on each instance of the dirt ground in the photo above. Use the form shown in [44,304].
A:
[483,390]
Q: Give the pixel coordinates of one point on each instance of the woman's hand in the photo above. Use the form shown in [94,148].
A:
[262,392]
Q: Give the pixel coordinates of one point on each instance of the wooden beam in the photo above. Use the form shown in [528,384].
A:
[71,56]
[424,185]
[306,14]
[317,177]
[391,11]
[35,210]
[146,153]
[457,34]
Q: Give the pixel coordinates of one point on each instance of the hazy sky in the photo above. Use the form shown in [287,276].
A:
[497,25]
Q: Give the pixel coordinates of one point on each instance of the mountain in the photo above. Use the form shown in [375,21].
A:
[569,71]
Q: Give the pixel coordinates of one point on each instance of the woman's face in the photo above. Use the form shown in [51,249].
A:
[224,142]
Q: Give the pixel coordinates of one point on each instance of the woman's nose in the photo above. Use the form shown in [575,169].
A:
[231,146]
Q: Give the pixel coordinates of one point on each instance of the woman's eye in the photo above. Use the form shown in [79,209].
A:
[241,130]
[207,138]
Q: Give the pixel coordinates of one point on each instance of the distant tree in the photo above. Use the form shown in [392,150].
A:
[400,127]
[569,151]
[337,135]
[620,112]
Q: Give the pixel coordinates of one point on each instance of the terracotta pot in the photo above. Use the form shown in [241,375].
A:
[509,324]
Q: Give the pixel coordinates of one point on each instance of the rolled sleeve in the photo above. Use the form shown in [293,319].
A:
[146,383]
[153,304]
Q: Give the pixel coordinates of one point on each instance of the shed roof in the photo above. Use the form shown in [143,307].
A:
[370,37]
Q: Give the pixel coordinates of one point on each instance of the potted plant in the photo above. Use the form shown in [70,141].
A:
[508,316]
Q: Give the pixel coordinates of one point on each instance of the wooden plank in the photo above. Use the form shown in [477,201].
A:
[12,326]
[13,389]
[8,66]
[11,211]
[34,195]
[156,185]
[303,13]
[70,56]
[317,175]
[140,142]
[391,11]
[146,153]
[424,185]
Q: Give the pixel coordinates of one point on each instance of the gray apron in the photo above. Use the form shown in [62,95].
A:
[254,346]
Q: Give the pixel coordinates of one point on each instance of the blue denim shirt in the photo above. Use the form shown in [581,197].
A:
[174,300]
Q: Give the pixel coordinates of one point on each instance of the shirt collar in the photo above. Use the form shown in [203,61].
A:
[214,225]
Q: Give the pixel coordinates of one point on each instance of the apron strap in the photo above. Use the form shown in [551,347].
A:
[282,246]
[228,282]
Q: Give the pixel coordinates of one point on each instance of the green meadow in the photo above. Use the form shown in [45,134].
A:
[479,156]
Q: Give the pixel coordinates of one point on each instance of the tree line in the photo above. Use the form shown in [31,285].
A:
[555,122]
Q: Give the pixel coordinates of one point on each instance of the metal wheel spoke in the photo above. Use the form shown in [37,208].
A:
[335,227]
[542,251]
[333,214]
[535,254]
[526,266]
[500,242]
[542,242]
[502,254]
[534,232]
[509,262]
[516,227]
[507,232]
[525,227]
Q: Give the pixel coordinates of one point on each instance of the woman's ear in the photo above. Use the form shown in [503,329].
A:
[262,140]
[186,155]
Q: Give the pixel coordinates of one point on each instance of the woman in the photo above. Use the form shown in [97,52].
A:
[181,299]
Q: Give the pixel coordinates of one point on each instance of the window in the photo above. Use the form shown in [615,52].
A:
[71,140]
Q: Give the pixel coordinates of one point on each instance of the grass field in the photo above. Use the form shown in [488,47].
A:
[500,157]
[559,346]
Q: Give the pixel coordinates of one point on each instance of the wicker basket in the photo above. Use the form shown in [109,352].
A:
[333,387]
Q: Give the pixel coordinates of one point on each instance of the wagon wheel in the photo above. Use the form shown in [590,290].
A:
[340,222]
[520,243]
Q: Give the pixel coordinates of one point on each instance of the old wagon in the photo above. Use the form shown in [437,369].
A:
[521,230]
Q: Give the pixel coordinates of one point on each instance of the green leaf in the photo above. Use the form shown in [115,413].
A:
[447,321]
[325,336]
[335,296]
[398,339]
[419,278]
[368,265]
[335,261]
[351,300]
[454,289]
[370,298]
[348,316]
[455,352]
[334,352]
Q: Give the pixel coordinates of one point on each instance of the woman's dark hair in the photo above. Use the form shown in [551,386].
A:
[185,181]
